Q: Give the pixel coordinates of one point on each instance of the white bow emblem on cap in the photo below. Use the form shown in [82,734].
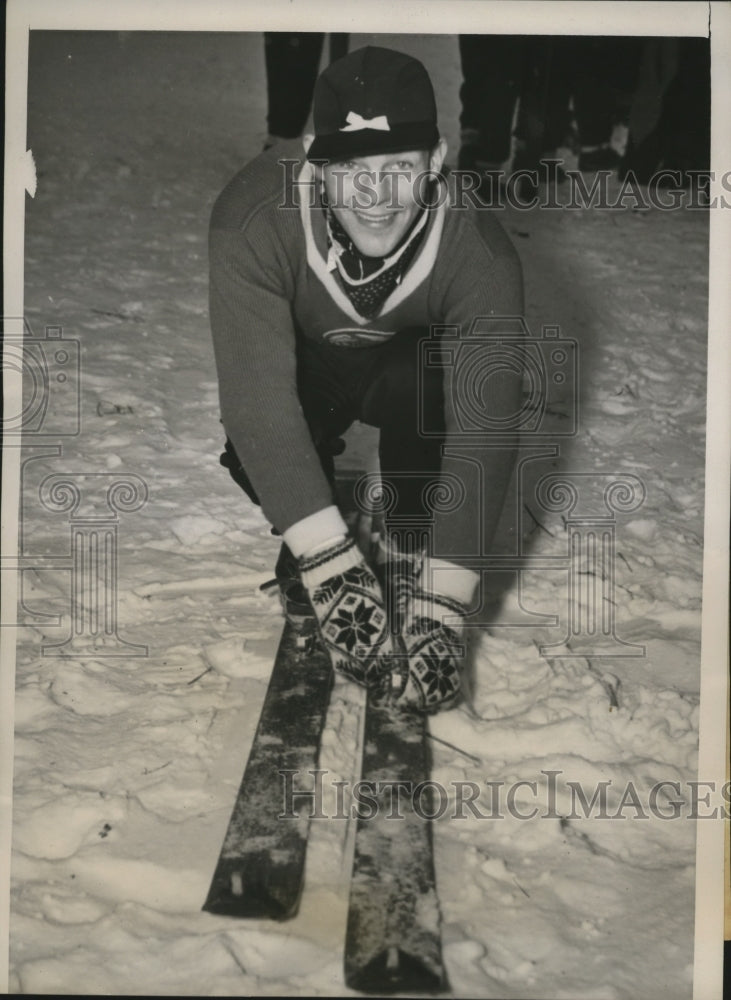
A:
[356,122]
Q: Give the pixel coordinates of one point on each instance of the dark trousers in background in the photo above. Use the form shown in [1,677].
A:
[497,72]
[385,387]
[492,73]
[670,118]
[600,74]
[292,61]
[547,74]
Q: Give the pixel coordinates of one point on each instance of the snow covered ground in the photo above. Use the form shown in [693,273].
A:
[126,765]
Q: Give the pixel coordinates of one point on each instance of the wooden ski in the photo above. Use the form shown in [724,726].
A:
[260,869]
[393,941]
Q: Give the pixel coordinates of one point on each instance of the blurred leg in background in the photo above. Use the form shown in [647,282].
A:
[604,73]
[292,61]
[492,71]
[543,119]
[515,103]
[670,117]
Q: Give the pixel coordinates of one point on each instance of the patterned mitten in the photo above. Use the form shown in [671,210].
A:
[430,674]
[348,603]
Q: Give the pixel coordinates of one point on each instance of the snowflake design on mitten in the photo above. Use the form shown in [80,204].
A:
[441,679]
[431,678]
[348,603]
[353,622]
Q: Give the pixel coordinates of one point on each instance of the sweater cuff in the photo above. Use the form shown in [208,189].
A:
[449,580]
[314,531]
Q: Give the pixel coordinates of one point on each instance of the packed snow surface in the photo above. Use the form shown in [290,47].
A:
[127,764]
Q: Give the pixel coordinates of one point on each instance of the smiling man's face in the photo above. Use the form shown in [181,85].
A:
[376,198]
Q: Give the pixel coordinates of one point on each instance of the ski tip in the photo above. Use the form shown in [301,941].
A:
[395,971]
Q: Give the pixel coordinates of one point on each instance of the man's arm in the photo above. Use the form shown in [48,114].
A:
[485,280]
[255,351]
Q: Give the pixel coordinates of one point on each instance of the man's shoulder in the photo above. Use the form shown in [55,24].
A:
[265,186]
[471,226]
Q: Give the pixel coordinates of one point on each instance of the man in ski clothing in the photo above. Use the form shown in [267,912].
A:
[330,272]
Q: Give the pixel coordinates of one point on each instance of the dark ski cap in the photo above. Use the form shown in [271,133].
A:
[372,101]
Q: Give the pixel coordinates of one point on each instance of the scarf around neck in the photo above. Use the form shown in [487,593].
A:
[368,281]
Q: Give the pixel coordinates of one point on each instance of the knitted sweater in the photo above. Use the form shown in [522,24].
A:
[270,283]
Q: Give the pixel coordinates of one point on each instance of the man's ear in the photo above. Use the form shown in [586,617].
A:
[307,141]
[437,156]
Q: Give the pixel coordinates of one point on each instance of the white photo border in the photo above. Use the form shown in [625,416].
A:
[425,17]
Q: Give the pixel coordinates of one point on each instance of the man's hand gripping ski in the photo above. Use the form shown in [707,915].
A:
[386,629]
